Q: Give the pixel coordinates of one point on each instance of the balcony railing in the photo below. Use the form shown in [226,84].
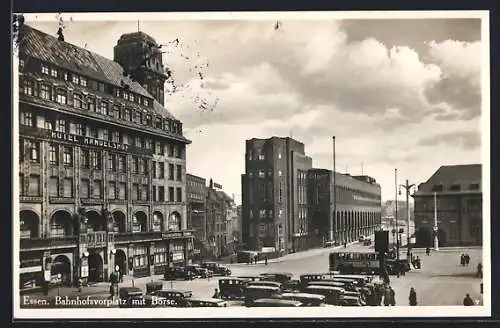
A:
[178,234]
[95,239]
[48,243]
[127,237]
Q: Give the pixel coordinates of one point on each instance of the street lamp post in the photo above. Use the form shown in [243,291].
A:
[58,283]
[407,187]
[436,228]
[396,213]
[334,219]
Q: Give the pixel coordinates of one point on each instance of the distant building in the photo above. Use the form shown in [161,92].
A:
[358,206]
[274,194]
[196,191]
[458,190]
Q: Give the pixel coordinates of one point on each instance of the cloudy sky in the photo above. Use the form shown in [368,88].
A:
[399,94]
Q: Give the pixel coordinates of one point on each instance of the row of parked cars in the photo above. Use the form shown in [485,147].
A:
[201,270]
[279,289]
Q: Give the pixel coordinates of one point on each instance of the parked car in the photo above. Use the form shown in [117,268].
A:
[174,297]
[173,273]
[232,288]
[198,271]
[216,268]
[207,302]
[367,242]
[130,296]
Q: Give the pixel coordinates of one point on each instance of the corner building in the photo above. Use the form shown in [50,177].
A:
[357,211]
[274,195]
[459,200]
[102,179]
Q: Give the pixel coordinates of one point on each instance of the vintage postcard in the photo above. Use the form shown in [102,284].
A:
[218,165]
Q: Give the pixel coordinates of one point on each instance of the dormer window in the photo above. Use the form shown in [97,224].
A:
[146,102]
[104,108]
[75,79]
[53,72]
[158,123]
[61,97]
[117,92]
[474,186]
[83,82]
[437,188]
[45,69]
[132,97]
[455,187]
[125,95]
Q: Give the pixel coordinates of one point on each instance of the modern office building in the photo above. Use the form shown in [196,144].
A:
[356,211]
[274,195]
[102,179]
[457,190]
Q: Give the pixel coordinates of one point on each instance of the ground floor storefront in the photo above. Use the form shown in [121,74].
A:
[90,263]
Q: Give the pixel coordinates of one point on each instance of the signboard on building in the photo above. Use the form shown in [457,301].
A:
[84,267]
[218,186]
[81,140]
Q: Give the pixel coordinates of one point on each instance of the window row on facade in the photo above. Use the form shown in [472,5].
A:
[94,189]
[80,128]
[259,155]
[82,100]
[92,159]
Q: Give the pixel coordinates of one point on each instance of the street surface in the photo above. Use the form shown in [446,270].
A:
[440,281]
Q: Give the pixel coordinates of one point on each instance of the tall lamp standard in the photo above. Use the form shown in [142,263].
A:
[436,228]
[407,188]
[334,218]
[396,213]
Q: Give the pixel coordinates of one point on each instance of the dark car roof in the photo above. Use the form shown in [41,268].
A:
[130,289]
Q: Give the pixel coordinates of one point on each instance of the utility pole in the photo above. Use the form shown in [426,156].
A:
[334,195]
[436,229]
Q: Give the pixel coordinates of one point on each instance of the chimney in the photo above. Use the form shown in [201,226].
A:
[211,184]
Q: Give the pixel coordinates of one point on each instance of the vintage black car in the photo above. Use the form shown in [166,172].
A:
[253,293]
[333,295]
[130,296]
[274,302]
[265,283]
[232,288]
[216,268]
[207,302]
[280,277]
[198,271]
[305,298]
[173,273]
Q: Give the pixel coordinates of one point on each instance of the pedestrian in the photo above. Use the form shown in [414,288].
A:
[265,260]
[216,293]
[462,259]
[387,297]
[468,300]
[413,297]
[111,291]
[255,259]
[79,284]
[479,273]
[392,295]
[419,265]
[427,251]
[467,259]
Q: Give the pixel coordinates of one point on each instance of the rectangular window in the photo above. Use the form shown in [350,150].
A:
[85,188]
[28,87]
[162,170]
[91,104]
[135,191]
[49,124]
[96,160]
[122,190]
[68,156]
[105,134]
[96,190]
[75,79]
[144,192]
[112,190]
[135,165]
[53,72]
[53,187]
[138,142]
[128,114]
[171,195]
[171,171]
[161,193]
[94,133]
[21,185]
[34,149]
[27,118]
[85,158]
[149,144]
[61,125]
[83,81]
[45,92]
[154,193]
[179,195]
[34,185]
[122,167]
[144,166]
[179,173]
[53,154]
[68,188]
[77,101]
[45,69]
[111,162]
[104,108]
[61,97]
[116,136]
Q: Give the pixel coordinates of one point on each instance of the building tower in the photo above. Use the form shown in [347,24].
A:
[141,58]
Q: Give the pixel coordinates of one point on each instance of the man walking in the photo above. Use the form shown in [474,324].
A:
[468,300]
[413,297]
